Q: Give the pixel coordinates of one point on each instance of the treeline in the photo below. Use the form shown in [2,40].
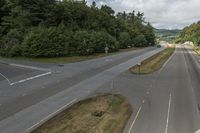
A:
[49,28]
[190,33]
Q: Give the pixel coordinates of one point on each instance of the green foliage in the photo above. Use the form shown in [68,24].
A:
[190,33]
[86,43]
[47,42]
[140,41]
[124,40]
[48,28]
[10,44]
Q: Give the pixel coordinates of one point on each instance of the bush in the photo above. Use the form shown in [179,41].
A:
[87,43]
[124,40]
[47,42]
[10,43]
[82,44]
[140,41]
[103,39]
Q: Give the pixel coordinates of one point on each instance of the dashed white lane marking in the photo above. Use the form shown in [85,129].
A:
[168,114]
[136,117]
[50,116]
[108,60]
[30,78]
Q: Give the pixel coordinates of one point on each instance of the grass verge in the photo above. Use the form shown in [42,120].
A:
[154,63]
[101,114]
[71,59]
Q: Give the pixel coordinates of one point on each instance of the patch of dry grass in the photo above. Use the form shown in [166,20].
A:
[101,114]
[154,63]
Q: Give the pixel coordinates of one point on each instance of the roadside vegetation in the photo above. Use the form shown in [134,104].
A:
[154,63]
[197,50]
[190,33]
[68,59]
[101,114]
[52,28]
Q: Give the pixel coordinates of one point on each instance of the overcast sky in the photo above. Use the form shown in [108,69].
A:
[168,14]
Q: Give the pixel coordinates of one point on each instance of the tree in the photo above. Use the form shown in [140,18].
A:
[43,27]
[47,42]
[124,40]
[108,10]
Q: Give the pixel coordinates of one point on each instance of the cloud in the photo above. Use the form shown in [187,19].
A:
[169,14]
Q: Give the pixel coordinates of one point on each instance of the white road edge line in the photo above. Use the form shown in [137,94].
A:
[5,78]
[168,113]
[136,117]
[50,116]
[30,78]
[167,61]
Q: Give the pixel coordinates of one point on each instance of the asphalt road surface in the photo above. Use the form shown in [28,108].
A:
[168,101]
[164,102]
[23,106]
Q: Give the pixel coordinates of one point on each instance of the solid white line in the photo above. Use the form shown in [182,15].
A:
[50,116]
[167,61]
[168,114]
[30,78]
[136,117]
[5,78]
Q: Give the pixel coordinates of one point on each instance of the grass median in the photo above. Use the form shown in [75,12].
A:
[154,63]
[101,114]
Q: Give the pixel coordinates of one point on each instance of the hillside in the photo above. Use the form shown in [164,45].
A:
[167,35]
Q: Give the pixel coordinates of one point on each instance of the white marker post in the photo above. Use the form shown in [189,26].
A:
[106,50]
[139,65]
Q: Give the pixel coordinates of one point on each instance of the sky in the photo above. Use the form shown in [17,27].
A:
[162,14]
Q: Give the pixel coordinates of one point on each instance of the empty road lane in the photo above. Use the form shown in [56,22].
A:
[172,104]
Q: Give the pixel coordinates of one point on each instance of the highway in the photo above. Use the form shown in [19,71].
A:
[28,103]
[171,101]
[167,101]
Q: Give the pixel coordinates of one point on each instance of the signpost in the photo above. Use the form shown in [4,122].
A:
[106,50]
[139,65]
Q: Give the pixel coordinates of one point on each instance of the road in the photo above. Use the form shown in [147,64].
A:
[33,101]
[166,101]
[163,102]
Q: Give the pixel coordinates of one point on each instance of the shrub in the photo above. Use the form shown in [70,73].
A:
[47,42]
[10,43]
[103,39]
[140,41]
[124,40]
[82,44]
[86,42]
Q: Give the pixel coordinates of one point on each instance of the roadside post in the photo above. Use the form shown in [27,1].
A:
[106,50]
[139,65]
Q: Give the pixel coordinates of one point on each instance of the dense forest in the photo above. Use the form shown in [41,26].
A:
[49,28]
[190,33]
